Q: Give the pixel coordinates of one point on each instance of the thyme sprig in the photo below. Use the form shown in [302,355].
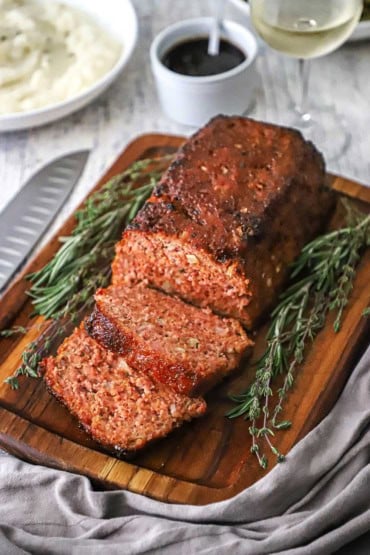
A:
[321,282]
[15,330]
[65,287]
[30,361]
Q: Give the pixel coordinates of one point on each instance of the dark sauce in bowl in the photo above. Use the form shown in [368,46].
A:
[191,58]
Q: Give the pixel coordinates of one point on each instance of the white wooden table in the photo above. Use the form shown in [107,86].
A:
[130,108]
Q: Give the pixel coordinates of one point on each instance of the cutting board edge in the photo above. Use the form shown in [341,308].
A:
[20,445]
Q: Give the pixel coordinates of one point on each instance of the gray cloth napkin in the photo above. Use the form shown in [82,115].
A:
[317,502]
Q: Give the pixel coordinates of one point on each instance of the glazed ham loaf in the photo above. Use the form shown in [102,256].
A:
[120,408]
[187,348]
[228,217]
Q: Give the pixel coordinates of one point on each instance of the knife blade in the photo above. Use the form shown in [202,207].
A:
[29,214]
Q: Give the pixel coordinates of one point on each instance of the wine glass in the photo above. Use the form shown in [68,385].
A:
[307,29]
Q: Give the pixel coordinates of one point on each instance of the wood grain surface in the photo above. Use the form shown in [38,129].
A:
[204,461]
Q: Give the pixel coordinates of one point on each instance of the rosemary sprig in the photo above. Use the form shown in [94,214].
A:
[82,264]
[66,285]
[321,282]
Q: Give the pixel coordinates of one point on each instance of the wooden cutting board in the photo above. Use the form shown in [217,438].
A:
[209,459]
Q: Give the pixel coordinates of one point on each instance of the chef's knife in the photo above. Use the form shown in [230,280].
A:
[28,215]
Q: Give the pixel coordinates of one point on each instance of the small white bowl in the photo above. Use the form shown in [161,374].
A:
[194,100]
[116,17]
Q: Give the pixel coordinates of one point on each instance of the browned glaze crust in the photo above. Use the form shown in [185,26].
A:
[123,315]
[103,330]
[244,194]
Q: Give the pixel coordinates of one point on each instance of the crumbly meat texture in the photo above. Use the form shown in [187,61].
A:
[187,348]
[119,407]
[228,217]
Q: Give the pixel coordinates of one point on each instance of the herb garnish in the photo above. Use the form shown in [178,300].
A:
[66,285]
[82,264]
[321,282]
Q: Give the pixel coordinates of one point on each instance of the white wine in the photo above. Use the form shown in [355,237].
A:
[305,28]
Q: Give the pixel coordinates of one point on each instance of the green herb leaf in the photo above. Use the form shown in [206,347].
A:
[321,282]
[82,264]
[66,285]
[16,330]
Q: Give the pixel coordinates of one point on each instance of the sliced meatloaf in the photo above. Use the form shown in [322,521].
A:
[228,217]
[120,407]
[187,348]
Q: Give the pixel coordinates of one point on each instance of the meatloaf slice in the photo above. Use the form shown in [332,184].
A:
[228,217]
[120,407]
[187,348]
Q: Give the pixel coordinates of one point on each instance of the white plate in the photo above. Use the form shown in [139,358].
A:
[118,17]
[361,32]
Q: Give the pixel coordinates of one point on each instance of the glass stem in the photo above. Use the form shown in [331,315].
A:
[303,80]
